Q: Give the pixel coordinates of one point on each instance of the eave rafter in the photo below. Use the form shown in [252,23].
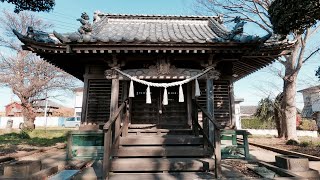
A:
[249,57]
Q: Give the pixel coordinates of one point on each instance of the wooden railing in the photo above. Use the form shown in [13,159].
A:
[215,143]
[112,132]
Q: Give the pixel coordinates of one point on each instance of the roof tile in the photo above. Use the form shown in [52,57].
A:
[157,29]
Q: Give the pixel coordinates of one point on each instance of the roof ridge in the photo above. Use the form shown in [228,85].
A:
[147,16]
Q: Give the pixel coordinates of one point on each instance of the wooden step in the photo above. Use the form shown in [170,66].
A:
[160,131]
[156,151]
[161,164]
[161,176]
[159,126]
[162,140]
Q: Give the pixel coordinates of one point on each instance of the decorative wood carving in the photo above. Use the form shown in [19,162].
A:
[162,70]
[178,73]
[111,74]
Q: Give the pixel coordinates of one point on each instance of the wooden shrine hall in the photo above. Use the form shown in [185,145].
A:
[157,89]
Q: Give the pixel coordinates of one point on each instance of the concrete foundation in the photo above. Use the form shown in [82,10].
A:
[23,168]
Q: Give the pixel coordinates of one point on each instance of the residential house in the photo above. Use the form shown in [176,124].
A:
[237,110]
[13,109]
[311,100]
[78,101]
[248,111]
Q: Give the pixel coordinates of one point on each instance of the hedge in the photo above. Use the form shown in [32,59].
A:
[256,123]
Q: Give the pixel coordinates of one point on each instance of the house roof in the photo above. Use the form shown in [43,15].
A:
[238,100]
[248,109]
[42,104]
[78,89]
[313,88]
[12,103]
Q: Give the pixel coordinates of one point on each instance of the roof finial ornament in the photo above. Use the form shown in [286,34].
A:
[237,33]
[86,27]
[220,18]
[96,17]
[36,35]
[238,28]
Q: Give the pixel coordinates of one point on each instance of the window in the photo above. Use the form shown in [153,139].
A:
[71,119]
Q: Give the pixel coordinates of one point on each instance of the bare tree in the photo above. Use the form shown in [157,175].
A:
[256,12]
[29,77]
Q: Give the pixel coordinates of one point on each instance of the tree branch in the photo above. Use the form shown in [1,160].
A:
[310,55]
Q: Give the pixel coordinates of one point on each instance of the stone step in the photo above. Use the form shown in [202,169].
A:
[162,140]
[158,151]
[160,131]
[161,176]
[161,164]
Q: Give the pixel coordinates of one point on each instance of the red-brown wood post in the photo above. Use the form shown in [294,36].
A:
[189,104]
[217,153]
[126,120]
[205,125]
[107,153]
[195,119]
[114,106]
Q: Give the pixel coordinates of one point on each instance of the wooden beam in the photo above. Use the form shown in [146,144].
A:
[84,107]
[189,103]
[217,153]
[114,104]
[210,108]
[107,153]
[232,105]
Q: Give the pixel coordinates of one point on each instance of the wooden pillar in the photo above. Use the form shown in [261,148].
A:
[107,153]
[232,104]
[114,96]
[189,103]
[214,133]
[114,104]
[194,111]
[217,153]
[84,107]
[210,107]
[126,115]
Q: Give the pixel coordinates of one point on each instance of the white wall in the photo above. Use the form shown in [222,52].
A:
[39,122]
[78,103]
[238,115]
[274,132]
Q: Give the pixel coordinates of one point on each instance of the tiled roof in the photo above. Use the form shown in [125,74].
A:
[248,110]
[310,89]
[158,29]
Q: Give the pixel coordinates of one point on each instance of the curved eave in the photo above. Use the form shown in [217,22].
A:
[253,56]
[100,47]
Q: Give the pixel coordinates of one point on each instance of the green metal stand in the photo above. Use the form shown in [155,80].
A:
[233,149]
[85,145]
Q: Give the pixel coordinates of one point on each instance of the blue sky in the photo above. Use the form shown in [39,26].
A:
[252,88]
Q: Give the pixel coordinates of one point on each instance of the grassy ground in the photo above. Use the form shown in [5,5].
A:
[27,141]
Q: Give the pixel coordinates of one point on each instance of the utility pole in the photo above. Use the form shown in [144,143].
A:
[45,113]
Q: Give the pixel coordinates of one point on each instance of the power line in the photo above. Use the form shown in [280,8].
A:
[66,15]
[63,22]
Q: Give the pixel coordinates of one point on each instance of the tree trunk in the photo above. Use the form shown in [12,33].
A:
[278,114]
[289,107]
[278,118]
[28,115]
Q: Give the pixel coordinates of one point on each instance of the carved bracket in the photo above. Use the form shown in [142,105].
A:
[213,74]
[111,74]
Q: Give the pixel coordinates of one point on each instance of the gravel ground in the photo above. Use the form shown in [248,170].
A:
[240,166]
[313,147]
